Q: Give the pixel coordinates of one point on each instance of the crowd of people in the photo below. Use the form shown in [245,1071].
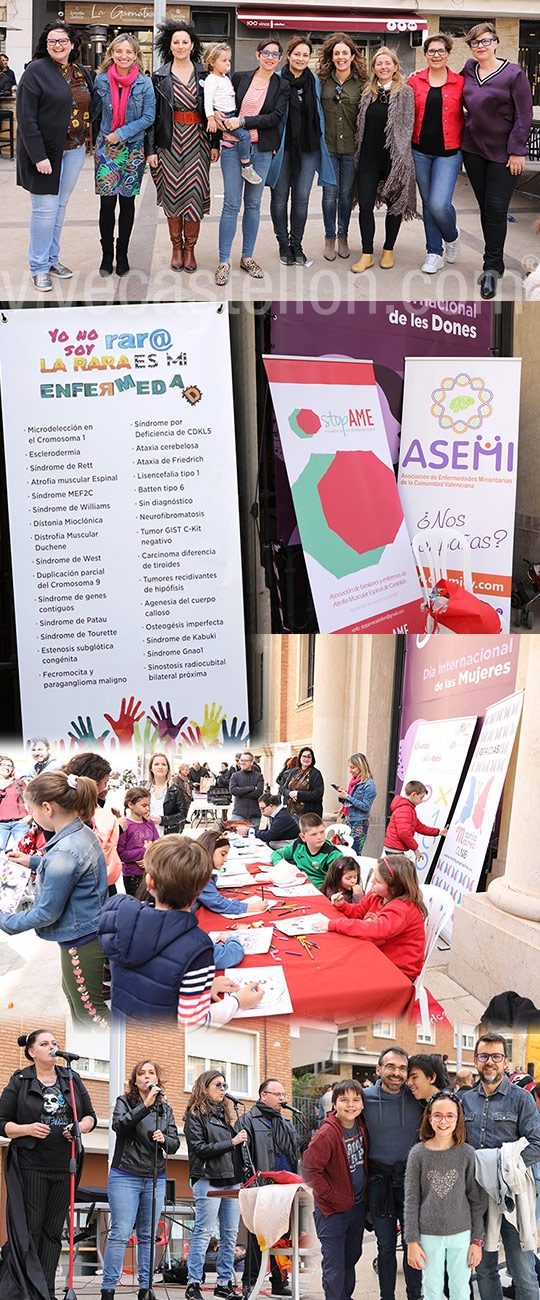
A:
[407,1156]
[369,135]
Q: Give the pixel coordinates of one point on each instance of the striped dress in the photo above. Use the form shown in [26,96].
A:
[182,176]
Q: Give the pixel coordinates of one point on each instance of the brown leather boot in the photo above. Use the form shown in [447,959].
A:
[175,232]
[191,235]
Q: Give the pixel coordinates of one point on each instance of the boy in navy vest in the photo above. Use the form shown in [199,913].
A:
[161,963]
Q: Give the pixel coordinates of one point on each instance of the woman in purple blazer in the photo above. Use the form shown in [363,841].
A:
[498,99]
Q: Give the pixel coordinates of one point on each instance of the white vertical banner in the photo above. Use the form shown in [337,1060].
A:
[123,503]
[460,864]
[357,549]
[437,757]
[458,463]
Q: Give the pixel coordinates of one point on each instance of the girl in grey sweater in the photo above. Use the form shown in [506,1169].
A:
[444,1206]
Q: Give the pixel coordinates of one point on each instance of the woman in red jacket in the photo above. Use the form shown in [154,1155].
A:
[391,915]
[335,1166]
[438,127]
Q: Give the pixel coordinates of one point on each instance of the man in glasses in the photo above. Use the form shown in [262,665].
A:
[496,1112]
[274,1144]
[393,1117]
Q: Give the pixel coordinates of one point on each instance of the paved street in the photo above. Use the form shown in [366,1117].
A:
[152,280]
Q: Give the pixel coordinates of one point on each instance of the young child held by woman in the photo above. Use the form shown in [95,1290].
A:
[219,97]
[444,1206]
[391,915]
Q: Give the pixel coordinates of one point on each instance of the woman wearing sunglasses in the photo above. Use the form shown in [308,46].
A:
[498,99]
[438,127]
[215,1160]
[342,74]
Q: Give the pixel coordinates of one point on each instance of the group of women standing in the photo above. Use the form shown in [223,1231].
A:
[370,137]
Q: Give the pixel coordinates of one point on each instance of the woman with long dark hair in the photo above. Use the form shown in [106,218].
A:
[215,1161]
[304,787]
[342,74]
[36,1114]
[125,99]
[131,1176]
[178,146]
[53,119]
[168,804]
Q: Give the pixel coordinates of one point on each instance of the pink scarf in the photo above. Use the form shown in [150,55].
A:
[353,781]
[116,82]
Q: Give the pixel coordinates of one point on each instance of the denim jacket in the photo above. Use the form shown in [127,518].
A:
[504,1116]
[71,888]
[140,107]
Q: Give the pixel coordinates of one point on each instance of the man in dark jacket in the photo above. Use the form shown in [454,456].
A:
[335,1167]
[282,827]
[393,1117]
[274,1145]
[246,789]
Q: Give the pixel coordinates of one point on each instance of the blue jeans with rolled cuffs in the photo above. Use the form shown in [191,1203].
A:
[48,213]
[208,1211]
[298,186]
[337,200]
[236,189]
[436,179]
[130,1199]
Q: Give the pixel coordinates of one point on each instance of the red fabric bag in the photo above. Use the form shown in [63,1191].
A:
[462,611]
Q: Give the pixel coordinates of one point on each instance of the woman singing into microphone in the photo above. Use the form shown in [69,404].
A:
[36,1113]
[215,1161]
[130,1185]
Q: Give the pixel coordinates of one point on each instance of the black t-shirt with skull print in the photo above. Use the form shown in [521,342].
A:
[53,1151]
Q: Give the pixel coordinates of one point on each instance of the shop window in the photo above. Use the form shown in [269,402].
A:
[211,23]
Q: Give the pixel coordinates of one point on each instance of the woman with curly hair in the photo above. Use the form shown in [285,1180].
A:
[125,99]
[53,118]
[342,73]
[138,1130]
[178,146]
[215,1161]
[383,158]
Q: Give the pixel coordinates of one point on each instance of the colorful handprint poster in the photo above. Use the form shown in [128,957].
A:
[350,519]
[123,503]
[437,758]
[458,465]
[460,863]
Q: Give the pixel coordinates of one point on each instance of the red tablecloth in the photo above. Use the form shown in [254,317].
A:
[348,979]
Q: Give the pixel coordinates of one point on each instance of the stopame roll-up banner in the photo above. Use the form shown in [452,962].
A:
[360,565]
[458,463]
[123,505]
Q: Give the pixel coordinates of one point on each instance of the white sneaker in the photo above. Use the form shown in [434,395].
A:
[249,174]
[453,250]
[434,262]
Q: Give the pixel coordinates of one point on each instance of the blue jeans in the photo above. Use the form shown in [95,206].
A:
[340,1236]
[386,1234]
[14,829]
[207,1211]
[242,137]
[299,188]
[130,1199]
[436,179]
[520,1265]
[452,1251]
[338,198]
[236,189]
[48,212]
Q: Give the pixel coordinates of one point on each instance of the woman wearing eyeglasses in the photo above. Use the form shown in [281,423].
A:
[498,99]
[215,1161]
[53,117]
[438,127]
[342,73]
[261,100]
[383,158]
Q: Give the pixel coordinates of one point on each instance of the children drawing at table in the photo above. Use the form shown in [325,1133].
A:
[139,831]
[217,845]
[404,823]
[391,915]
[343,877]
[311,853]
[444,1206]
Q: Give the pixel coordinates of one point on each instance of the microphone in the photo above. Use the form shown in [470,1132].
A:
[285,1106]
[234,1100]
[66,1056]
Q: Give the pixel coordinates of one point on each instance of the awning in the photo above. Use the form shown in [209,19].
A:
[313,20]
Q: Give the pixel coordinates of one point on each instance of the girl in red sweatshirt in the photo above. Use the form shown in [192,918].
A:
[391,915]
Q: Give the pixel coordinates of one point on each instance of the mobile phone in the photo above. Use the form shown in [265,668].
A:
[334,787]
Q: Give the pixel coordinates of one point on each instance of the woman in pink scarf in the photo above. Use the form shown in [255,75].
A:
[357,799]
[125,100]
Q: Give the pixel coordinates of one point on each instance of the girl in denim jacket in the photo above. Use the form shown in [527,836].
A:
[71,888]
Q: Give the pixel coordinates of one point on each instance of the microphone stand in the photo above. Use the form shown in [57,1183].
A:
[149,1294]
[76,1153]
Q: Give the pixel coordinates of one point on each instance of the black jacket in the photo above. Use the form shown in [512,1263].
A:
[267,123]
[310,799]
[246,789]
[210,1146]
[44,105]
[22,1101]
[159,135]
[175,809]
[134,1126]
[261,1140]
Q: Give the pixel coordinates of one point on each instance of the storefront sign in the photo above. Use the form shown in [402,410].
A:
[124,522]
[314,20]
[350,519]
[460,864]
[86,12]
[437,758]
[458,464]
